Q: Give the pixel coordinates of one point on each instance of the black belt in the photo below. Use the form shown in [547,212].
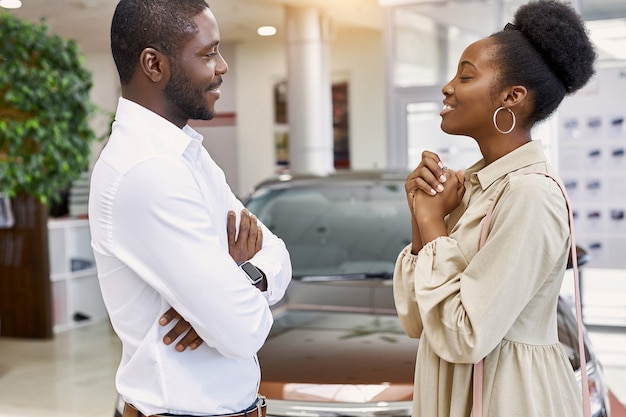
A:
[259,411]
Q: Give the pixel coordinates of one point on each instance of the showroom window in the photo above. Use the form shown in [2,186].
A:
[424,40]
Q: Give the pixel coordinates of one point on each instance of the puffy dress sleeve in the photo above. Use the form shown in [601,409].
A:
[404,293]
[405,274]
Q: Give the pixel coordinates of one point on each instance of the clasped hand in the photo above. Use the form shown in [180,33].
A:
[433,191]
[242,246]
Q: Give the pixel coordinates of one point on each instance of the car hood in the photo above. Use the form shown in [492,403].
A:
[337,356]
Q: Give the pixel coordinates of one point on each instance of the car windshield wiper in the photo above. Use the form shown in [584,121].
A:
[361,276]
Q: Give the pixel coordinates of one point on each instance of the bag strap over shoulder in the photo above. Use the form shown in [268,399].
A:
[477,406]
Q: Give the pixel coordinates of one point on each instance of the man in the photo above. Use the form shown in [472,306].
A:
[164,225]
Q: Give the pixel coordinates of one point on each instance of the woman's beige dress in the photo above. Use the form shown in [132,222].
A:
[498,303]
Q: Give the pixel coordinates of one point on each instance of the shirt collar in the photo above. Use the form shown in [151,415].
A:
[170,136]
[527,154]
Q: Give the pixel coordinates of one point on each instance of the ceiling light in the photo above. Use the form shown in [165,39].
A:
[266,31]
[10,4]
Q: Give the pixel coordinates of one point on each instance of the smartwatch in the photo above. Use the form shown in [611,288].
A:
[253,273]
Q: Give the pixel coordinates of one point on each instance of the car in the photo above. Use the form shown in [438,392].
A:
[337,346]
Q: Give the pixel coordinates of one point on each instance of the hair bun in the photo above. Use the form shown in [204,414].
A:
[559,34]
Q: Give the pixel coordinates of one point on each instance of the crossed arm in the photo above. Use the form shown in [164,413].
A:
[242,246]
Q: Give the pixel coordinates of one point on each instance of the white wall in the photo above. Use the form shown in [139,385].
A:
[359,55]
[260,65]
[356,56]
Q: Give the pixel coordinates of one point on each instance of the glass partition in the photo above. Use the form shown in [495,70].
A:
[424,42]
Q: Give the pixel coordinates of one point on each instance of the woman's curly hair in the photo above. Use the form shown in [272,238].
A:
[547,49]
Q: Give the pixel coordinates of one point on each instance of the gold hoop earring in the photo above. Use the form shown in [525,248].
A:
[495,123]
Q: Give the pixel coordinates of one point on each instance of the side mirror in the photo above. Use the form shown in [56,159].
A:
[581,255]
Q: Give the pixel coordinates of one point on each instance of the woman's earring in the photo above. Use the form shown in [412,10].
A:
[495,123]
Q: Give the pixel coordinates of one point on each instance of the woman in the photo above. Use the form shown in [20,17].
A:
[499,302]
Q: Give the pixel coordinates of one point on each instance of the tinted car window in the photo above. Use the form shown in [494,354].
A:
[338,228]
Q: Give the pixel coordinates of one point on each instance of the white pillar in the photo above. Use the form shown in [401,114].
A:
[309,102]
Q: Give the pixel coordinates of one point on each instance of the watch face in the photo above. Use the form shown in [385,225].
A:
[252,271]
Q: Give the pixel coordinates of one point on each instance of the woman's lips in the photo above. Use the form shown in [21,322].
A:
[447,108]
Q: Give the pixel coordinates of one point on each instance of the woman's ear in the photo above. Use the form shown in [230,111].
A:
[154,65]
[515,96]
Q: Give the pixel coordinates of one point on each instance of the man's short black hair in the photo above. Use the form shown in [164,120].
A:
[166,25]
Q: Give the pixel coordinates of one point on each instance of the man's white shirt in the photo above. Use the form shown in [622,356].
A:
[157,210]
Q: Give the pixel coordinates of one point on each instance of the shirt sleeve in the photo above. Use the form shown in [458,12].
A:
[468,307]
[165,231]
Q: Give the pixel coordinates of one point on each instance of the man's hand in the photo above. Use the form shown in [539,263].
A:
[243,245]
[191,340]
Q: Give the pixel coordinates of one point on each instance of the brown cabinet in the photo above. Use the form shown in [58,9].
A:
[25,301]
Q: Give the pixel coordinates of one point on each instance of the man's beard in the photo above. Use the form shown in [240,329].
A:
[190,100]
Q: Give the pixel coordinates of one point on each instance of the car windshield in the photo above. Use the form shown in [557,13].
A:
[338,229]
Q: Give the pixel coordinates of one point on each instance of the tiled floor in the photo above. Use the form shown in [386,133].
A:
[72,375]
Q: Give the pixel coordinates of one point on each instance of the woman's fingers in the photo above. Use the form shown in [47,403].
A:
[419,183]
[424,179]
[432,161]
[429,176]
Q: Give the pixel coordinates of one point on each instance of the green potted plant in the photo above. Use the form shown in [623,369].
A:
[45,142]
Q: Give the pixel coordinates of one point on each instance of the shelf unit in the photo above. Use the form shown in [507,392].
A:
[76,296]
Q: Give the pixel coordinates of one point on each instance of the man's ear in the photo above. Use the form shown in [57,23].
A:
[154,65]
